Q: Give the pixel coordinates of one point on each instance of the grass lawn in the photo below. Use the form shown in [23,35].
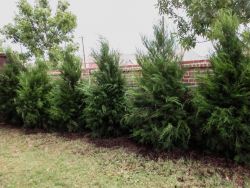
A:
[52,160]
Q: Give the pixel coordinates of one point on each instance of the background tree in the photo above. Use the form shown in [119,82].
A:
[9,83]
[39,31]
[105,104]
[158,117]
[67,96]
[222,98]
[194,17]
[32,96]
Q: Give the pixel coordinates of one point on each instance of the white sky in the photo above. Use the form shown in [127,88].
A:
[122,22]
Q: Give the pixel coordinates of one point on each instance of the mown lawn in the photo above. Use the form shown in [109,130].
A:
[52,160]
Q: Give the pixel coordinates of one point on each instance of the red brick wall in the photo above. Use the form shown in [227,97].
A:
[191,67]
[2,59]
[132,71]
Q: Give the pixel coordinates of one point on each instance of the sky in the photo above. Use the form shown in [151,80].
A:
[121,22]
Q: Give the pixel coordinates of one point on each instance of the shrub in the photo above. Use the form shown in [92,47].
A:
[32,96]
[8,87]
[222,99]
[158,116]
[67,97]
[105,101]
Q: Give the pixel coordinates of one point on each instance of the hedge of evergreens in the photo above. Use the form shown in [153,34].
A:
[161,111]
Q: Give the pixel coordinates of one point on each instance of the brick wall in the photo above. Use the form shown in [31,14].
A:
[192,68]
[2,59]
[131,72]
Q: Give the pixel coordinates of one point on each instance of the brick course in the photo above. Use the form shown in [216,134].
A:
[132,71]
[191,67]
[2,59]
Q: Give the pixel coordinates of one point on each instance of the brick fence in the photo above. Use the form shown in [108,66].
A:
[192,68]
[2,59]
[134,70]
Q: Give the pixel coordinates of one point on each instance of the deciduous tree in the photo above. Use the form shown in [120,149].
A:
[42,33]
[195,17]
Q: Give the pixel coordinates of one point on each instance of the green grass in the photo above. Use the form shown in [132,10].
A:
[48,160]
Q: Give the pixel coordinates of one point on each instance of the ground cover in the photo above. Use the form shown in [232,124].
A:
[39,159]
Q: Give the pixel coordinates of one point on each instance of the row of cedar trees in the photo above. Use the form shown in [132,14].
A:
[161,111]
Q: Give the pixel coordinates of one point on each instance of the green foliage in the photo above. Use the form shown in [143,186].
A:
[223,96]
[32,96]
[67,96]
[1,46]
[9,83]
[39,31]
[105,101]
[198,15]
[159,117]
[246,40]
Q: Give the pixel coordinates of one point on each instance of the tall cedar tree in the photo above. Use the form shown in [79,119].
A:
[9,84]
[223,96]
[158,117]
[67,97]
[32,96]
[106,102]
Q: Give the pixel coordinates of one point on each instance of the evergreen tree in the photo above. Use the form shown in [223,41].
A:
[106,102]
[223,96]
[67,97]
[159,117]
[32,96]
[9,83]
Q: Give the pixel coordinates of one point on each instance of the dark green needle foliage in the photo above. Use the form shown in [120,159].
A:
[106,101]
[32,96]
[9,83]
[159,117]
[67,96]
[223,97]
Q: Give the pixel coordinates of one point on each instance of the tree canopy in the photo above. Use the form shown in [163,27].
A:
[194,17]
[42,33]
